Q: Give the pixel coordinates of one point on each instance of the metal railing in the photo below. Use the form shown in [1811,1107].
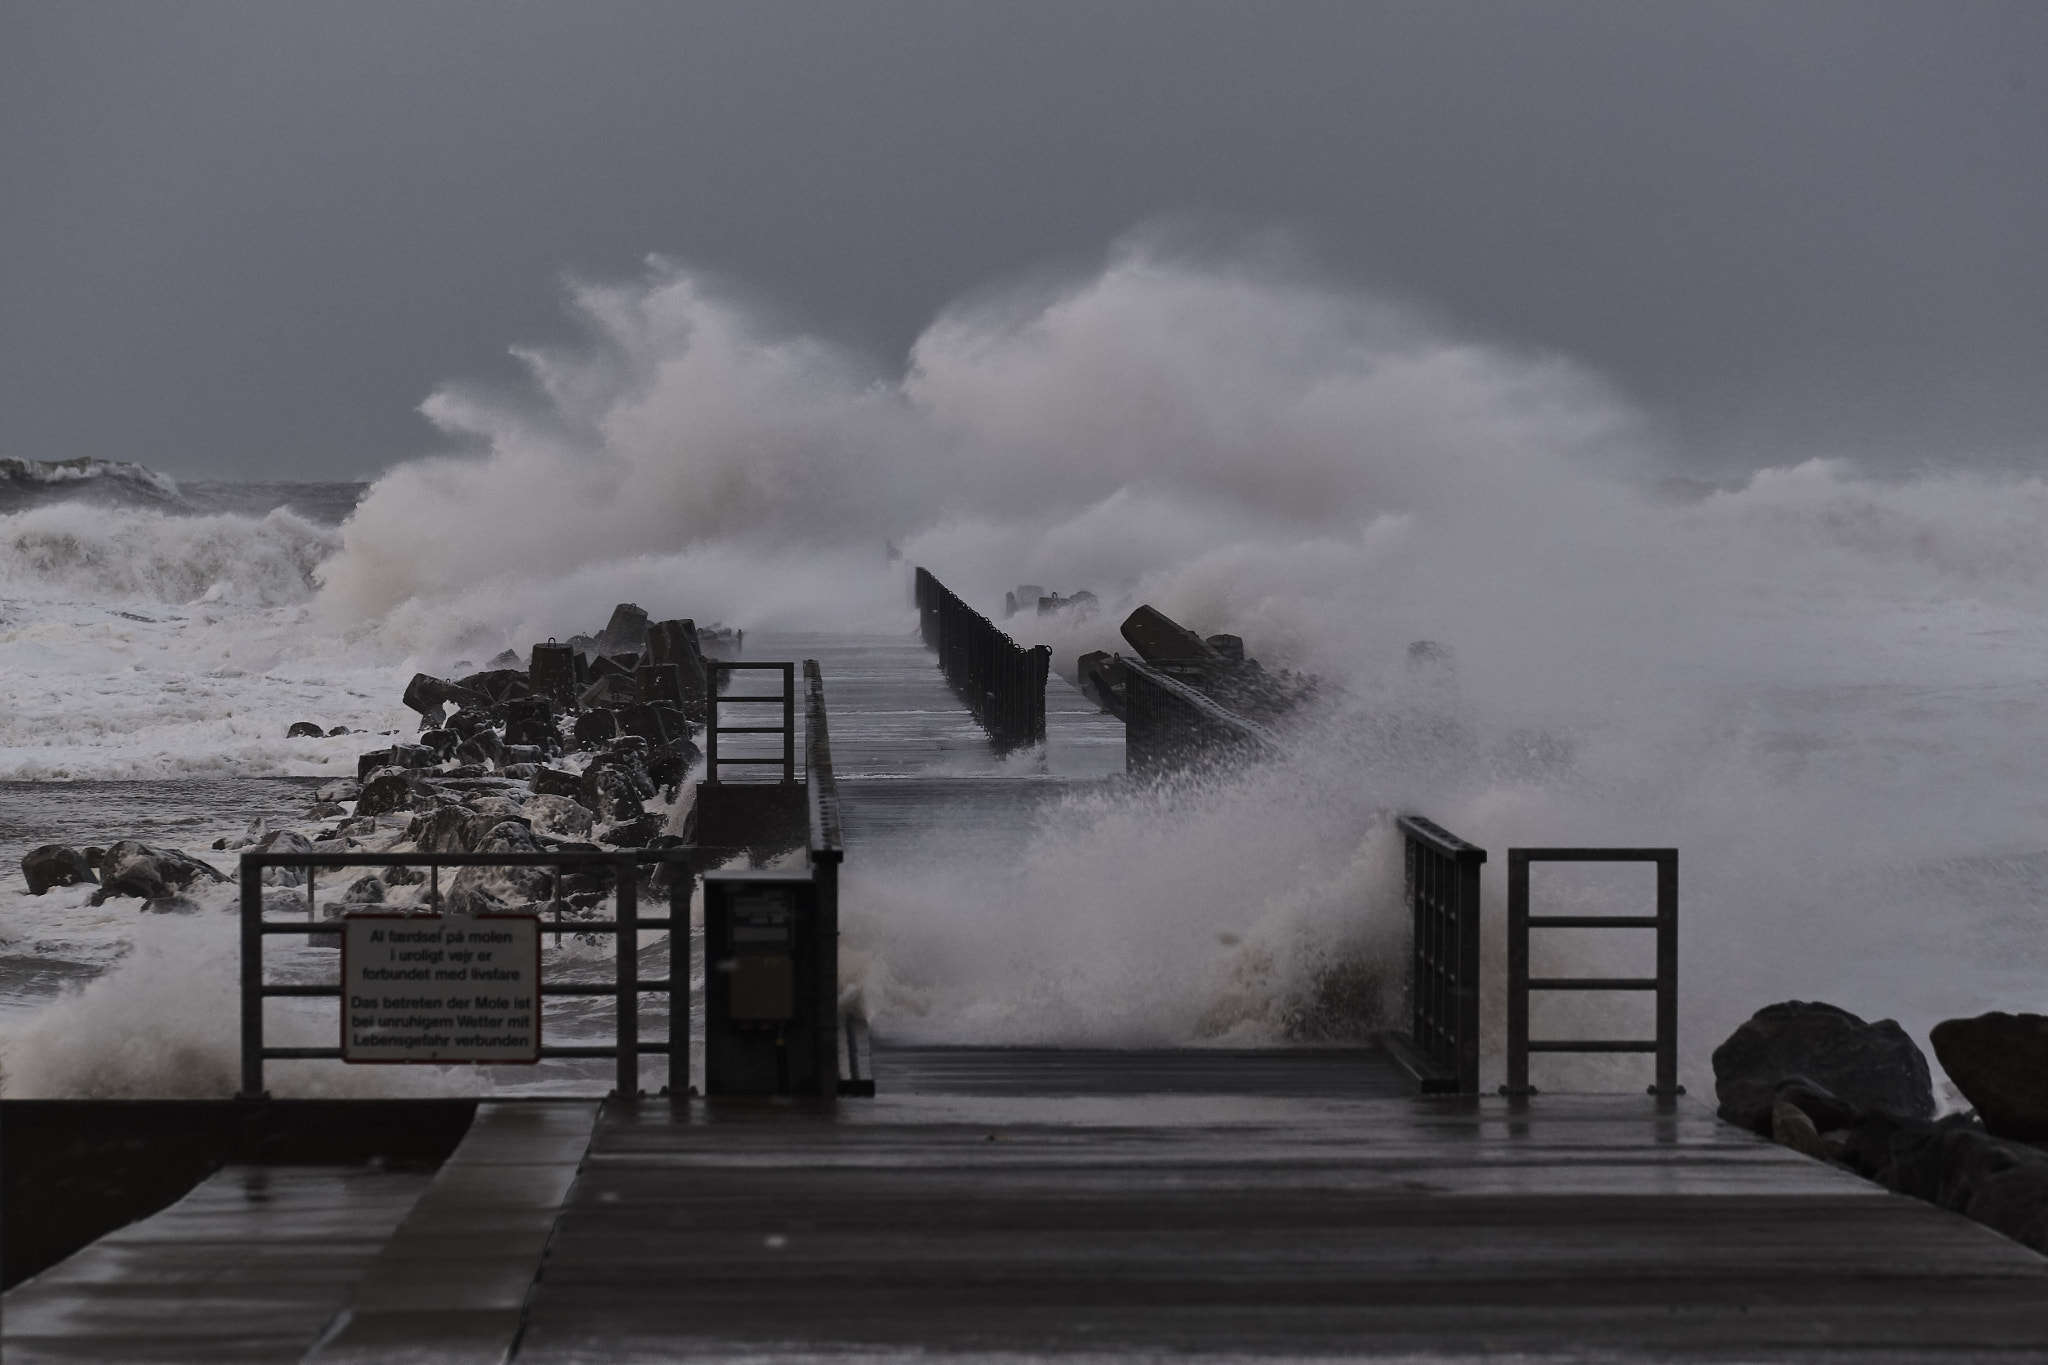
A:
[786,760]
[627,925]
[1170,726]
[1002,682]
[827,851]
[1664,983]
[1442,887]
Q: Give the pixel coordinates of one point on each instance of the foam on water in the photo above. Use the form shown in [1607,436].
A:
[1824,688]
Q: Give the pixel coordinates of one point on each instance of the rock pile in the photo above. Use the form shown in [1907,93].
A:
[567,752]
[1214,665]
[1823,1082]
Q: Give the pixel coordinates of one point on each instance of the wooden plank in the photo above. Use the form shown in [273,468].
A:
[247,1267]
[452,1280]
[1017,1201]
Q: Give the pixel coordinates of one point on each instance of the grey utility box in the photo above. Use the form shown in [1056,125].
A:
[768,1025]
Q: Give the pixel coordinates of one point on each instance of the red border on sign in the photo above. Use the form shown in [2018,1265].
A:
[439,1061]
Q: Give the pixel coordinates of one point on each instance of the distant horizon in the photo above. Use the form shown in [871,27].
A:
[248,242]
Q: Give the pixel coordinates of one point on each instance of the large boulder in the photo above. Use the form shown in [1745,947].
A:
[555,782]
[425,694]
[54,865]
[284,841]
[1873,1067]
[625,632]
[130,868]
[1956,1164]
[445,829]
[389,789]
[2000,1063]
[560,817]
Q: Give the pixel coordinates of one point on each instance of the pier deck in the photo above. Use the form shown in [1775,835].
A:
[1250,1205]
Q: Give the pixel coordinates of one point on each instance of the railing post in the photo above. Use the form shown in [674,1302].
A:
[1518,973]
[682,881]
[628,960]
[1667,975]
[1467,873]
[252,983]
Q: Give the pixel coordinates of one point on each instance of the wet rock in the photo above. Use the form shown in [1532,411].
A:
[445,829]
[555,782]
[471,721]
[440,742]
[305,729]
[635,833]
[1159,638]
[339,731]
[341,789]
[496,686]
[171,905]
[482,747]
[658,725]
[1102,680]
[596,727]
[1874,1067]
[610,692]
[670,764]
[424,694]
[1827,1110]
[560,816]
[552,674]
[627,630]
[508,836]
[365,890]
[92,858]
[519,753]
[397,756]
[131,868]
[325,810]
[675,642]
[1791,1127]
[506,658]
[2000,1063]
[494,808]
[1954,1163]
[389,789]
[54,865]
[659,685]
[284,841]
[519,771]
[529,721]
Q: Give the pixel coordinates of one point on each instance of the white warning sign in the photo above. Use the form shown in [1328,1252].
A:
[440,988]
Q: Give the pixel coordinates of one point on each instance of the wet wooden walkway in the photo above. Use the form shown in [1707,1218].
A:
[1020,1203]
[1002,1204]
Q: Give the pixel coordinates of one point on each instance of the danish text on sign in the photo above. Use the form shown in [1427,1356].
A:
[440,988]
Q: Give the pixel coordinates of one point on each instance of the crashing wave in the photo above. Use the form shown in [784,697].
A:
[37,483]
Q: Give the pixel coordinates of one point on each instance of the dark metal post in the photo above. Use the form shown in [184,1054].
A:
[716,676]
[628,1083]
[1667,975]
[682,880]
[789,722]
[1467,873]
[1518,974]
[252,983]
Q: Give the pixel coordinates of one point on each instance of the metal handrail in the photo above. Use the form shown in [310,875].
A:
[1664,983]
[1442,888]
[1002,682]
[822,796]
[627,985]
[713,761]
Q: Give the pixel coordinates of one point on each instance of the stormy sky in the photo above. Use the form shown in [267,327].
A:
[247,239]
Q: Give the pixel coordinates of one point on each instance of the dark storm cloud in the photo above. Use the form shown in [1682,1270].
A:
[250,237]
